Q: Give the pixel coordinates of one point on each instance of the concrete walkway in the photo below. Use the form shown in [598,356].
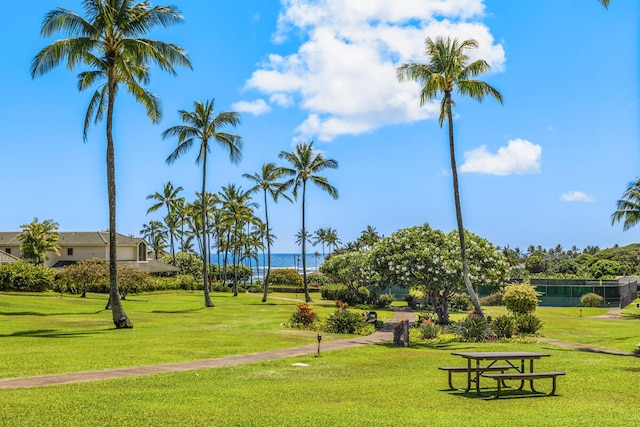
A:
[383,335]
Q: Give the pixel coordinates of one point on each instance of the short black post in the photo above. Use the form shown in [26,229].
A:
[319,339]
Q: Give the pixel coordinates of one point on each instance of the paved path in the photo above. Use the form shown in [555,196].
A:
[583,347]
[384,335]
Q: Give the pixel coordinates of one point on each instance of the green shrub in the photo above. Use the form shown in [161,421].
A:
[527,324]
[591,300]
[494,299]
[344,321]
[93,276]
[504,326]
[304,317]
[25,277]
[429,330]
[285,277]
[340,292]
[473,329]
[460,302]
[188,263]
[385,300]
[318,279]
[520,299]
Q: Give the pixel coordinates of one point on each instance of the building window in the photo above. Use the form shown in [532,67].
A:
[70,251]
[8,250]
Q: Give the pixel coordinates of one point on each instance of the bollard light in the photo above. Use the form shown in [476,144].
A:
[319,339]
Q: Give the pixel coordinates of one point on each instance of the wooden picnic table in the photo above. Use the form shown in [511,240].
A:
[475,373]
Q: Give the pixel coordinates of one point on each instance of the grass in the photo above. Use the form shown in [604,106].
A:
[45,334]
[373,385]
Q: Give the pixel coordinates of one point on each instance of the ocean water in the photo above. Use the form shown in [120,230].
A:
[293,261]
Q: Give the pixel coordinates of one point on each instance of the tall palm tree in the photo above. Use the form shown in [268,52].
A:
[305,164]
[201,125]
[170,199]
[628,207]
[109,41]
[267,181]
[605,3]
[449,69]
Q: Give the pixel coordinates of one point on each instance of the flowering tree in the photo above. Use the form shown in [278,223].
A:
[430,260]
[354,269]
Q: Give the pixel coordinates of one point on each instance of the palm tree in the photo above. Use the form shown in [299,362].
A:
[155,233]
[109,42]
[628,207]
[320,236]
[306,163]
[37,239]
[169,198]
[368,237]
[605,3]
[449,69]
[267,181]
[201,125]
[332,238]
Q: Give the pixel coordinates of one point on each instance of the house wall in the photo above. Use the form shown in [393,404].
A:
[82,253]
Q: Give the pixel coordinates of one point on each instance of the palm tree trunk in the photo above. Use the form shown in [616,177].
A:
[307,297]
[120,318]
[266,277]
[205,267]
[456,195]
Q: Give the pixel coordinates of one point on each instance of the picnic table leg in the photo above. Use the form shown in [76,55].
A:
[533,389]
[477,375]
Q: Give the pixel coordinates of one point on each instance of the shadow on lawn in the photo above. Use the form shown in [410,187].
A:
[48,333]
[38,313]
[188,310]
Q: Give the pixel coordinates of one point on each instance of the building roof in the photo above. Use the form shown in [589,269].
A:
[75,238]
[6,258]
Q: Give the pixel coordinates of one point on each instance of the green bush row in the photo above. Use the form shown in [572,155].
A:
[25,277]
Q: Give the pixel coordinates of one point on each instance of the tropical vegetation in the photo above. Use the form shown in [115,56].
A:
[449,69]
[110,42]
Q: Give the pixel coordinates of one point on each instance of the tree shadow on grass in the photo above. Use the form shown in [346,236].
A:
[38,313]
[188,310]
[48,333]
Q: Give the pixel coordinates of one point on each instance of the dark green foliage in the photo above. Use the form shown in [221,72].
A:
[285,277]
[494,299]
[461,302]
[340,292]
[25,277]
[473,329]
[607,268]
[527,324]
[591,300]
[345,321]
[504,326]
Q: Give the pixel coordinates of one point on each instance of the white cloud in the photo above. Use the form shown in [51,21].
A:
[576,196]
[344,74]
[257,107]
[517,158]
[281,99]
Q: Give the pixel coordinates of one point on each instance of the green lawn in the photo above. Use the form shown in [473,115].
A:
[373,385]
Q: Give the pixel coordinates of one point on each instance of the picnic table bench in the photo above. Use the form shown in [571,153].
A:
[452,369]
[476,371]
[524,376]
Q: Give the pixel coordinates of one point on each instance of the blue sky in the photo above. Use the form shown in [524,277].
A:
[545,168]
